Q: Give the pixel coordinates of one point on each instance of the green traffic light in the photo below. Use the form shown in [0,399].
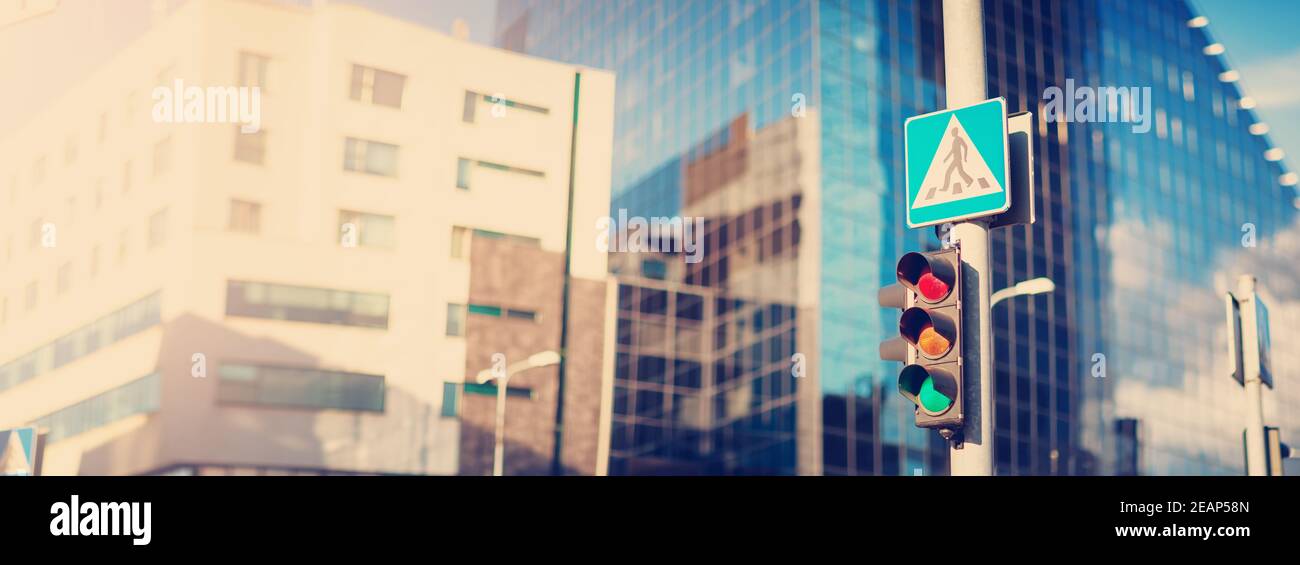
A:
[931,399]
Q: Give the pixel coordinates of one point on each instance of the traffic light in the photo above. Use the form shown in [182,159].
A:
[929,341]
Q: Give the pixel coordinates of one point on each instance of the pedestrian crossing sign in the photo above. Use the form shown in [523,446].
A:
[957,163]
[18,452]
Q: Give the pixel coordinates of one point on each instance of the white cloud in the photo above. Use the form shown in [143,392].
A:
[1273,82]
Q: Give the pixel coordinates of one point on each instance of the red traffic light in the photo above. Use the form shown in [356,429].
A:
[931,287]
[932,279]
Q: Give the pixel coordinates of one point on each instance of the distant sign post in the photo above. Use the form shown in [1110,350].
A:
[1249,339]
[1263,341]
[1249,364]
[957,164]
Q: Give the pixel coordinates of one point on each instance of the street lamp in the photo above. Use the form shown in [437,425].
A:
[1025,288]
[542,359]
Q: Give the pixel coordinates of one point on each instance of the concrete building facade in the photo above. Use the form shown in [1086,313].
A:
[305,291]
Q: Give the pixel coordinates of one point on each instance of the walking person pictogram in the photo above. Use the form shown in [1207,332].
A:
[957,152]
[957,163]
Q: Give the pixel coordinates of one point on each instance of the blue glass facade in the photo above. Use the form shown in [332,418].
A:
[1169,213]
[1117,372]
[878,64]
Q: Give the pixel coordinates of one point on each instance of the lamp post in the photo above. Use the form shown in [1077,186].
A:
[543,359]
[1025,288]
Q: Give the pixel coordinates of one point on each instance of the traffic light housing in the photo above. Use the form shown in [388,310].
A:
[929,340]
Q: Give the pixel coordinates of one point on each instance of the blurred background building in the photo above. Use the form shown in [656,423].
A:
[1141,232]
[413,204]
[314,296]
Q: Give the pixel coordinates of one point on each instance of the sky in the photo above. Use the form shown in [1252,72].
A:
[439,14]
[103,27]
[1259,36]
[1261,42]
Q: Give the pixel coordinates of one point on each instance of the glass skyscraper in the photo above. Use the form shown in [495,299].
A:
[780,123]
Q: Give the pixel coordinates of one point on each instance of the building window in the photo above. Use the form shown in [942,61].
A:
[459,242]
[158,229]
[462,173]
[471,104]
[122,242]
[120,324]
[518,239]
[456,320]
[65,278]
[509,169]
[472,98]
[490,390]
[450,400]
[250,147]
[137,397]
[38,171]
[165,75]
[370,230]
[32,291]
[527,315]
[485,310]
[245,217]
[128,109]
[162,156]
[1128,447]
[519,105]
[370,157]
[306,304]
[294,387]
[654,269]
[463,167]
[70,150]
[378,87]
[252,70]
[37,226]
